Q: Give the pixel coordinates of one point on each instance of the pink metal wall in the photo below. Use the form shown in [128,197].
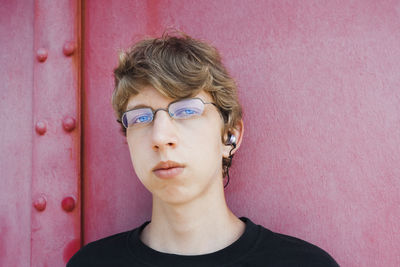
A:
[56,227]
[16,75]
[319,82]
[40,219]
[320,87]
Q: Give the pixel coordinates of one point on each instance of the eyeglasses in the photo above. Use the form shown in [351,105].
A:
[179,110]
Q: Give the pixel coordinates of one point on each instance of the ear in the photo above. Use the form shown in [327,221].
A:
[237,131]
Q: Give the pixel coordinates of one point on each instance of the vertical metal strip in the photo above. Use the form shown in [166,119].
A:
[56,213]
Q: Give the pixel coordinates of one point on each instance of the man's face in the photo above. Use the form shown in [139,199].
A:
[177,160]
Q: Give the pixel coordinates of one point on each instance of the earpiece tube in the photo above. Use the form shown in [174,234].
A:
[229,164]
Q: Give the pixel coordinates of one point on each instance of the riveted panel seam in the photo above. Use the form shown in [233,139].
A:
[56,225]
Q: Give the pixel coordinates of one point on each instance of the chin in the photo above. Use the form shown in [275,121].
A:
[176,195]
[182,191]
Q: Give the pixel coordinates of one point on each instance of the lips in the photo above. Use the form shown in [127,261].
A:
[168,169]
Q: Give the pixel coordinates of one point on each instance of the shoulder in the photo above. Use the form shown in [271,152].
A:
[302,251]
[285,250]
[102,251]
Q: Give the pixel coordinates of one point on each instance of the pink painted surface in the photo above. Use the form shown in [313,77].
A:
[56,231]
[319,83]
[16,75]
[40,218]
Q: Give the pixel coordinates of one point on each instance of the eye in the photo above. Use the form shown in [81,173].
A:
[186,112]
[142,119]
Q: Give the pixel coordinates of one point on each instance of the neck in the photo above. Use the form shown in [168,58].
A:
[200,226]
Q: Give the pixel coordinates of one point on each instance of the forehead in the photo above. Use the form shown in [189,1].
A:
[149,96]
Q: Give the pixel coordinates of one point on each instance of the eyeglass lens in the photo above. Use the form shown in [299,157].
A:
[182,109]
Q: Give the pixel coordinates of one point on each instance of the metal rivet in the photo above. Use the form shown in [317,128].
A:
[69,124]
[69,48]
[68,204]
[41,54]
[41,127]
[40,203]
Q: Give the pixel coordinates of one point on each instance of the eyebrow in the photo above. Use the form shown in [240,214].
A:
[137,106]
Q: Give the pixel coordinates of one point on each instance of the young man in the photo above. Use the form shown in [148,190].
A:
[183,122]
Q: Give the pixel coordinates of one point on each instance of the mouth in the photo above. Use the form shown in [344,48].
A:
[168,169]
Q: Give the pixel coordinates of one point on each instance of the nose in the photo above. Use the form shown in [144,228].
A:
[164,132]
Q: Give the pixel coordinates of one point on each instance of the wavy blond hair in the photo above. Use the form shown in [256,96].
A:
[177,66]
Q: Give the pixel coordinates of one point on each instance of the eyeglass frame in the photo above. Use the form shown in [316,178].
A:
[166,109]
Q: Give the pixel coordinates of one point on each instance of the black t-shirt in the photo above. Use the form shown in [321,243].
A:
[257,246]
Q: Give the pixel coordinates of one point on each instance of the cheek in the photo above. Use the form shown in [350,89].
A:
[204,145]
[138,159]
